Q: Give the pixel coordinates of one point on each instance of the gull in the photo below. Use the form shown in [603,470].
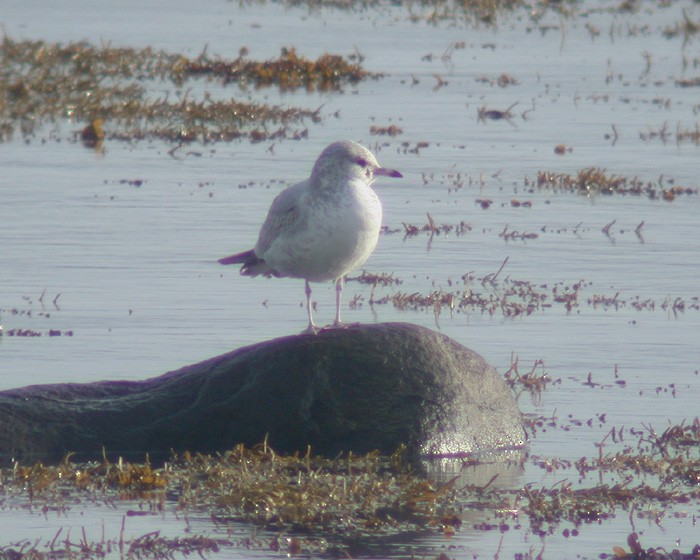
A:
[323,227]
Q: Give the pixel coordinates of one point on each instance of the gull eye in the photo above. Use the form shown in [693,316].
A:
[361,162]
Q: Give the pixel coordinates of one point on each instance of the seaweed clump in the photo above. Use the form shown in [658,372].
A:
[670,460]
[289,72]
[595,181]
[351,495]
[112,90]
[507,297]
[316,505]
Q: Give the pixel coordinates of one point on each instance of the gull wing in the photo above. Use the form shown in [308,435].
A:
[286,215]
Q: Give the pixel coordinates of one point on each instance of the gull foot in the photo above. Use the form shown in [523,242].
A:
[311,329]
[339,325]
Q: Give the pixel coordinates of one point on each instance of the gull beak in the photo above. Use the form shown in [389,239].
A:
[387,172]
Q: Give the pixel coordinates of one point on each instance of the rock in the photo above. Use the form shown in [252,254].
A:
[356,389]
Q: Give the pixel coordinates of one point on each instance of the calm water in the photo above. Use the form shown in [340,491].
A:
[133,268]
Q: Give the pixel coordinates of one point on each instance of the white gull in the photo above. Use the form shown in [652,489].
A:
[321,228]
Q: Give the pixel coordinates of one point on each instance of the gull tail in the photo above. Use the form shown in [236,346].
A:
[239,258]
[252,264]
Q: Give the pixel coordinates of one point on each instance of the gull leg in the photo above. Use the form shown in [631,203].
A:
[313,329]
[338,296]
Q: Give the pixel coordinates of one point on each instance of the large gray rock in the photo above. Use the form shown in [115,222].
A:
[357,389]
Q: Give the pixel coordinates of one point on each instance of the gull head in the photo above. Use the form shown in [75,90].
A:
[346,160]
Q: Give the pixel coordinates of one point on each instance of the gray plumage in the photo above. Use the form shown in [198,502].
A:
[321,228]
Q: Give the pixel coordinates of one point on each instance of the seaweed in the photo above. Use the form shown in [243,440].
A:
[112,90]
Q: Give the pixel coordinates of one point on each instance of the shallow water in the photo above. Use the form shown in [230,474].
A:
[133,268]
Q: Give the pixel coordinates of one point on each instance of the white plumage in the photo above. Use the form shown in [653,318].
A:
[321,228]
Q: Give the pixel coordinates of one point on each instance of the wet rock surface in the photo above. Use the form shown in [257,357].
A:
[357,389]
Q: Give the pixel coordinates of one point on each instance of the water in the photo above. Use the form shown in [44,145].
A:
[133,268]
